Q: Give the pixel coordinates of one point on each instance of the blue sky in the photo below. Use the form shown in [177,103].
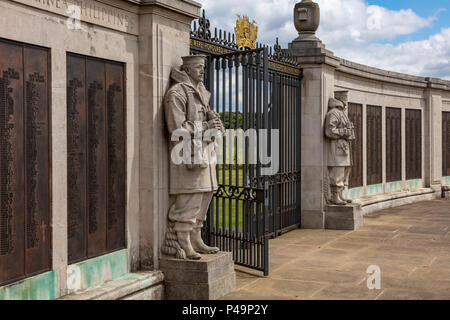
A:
[438,8]
[408,36]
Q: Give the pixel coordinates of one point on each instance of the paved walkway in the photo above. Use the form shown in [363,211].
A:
[410,244]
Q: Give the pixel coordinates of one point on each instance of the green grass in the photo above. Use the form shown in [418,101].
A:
[221,205]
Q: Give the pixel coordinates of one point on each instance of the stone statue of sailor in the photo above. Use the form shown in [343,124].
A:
[339,131]
[192,182]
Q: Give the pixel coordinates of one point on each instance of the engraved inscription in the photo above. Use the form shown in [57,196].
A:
[34,129]
[7,132]
[113,149]
[96,154]
[75,155]
[90,11]
[414,144]
[94,130]
[355,116]
[393,145]
[374,170]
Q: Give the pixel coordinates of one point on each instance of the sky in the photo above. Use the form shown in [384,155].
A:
[408,36]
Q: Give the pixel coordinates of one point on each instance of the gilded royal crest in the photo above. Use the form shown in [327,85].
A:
[246,32]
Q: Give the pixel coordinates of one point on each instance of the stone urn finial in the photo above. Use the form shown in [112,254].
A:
[307,19]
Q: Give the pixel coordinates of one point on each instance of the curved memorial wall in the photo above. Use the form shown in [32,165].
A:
[402,121]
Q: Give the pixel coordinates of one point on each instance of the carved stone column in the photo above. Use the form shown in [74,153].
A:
[433,134]
[319,66]
[164,37]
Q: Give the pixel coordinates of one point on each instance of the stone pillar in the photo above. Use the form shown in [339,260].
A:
[319,65]
[433,133]
[164,37]
[59,163]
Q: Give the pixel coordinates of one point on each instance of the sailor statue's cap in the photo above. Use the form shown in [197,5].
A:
[195,59]
[334,103]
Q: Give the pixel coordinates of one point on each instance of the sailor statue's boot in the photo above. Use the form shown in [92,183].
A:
[185,244]
[343,198]
[199,245]
[335,197]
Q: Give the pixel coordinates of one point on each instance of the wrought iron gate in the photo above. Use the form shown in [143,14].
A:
[257,93]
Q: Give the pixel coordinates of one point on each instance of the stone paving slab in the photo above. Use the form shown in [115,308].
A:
[410,244]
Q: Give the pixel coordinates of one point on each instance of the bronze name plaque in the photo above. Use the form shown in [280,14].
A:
[446,144]
[374,145]
[393,144]
[413,144]
[24,161]
[356,117]
[96,156]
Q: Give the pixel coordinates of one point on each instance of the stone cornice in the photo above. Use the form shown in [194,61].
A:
[313,52]
[186,7]
[372,73]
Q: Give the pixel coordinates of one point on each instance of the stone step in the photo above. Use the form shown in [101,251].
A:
[132,286]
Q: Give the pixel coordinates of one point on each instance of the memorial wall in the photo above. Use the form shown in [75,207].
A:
[84,161]
[401,145]
[80,201]
[400,153]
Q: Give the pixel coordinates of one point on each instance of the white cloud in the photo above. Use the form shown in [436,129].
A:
[344,21]
[430,57]
[352,29]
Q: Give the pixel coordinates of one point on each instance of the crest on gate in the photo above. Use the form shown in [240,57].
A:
[246,32]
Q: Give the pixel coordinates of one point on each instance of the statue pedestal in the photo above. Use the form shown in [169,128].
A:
[348,217]
[209,278]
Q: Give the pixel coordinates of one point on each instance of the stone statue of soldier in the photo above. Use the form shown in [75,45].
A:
[186,107]
[340,132]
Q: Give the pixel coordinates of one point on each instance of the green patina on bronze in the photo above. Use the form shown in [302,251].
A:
[414,184]
[95,271]
[446,181]
[41,287]
[375,189]
[394,186]
[355,193]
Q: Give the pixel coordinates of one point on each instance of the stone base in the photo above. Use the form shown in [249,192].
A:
[313,220]
[347,217]
[309,36]
[446,192]
[210,278]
